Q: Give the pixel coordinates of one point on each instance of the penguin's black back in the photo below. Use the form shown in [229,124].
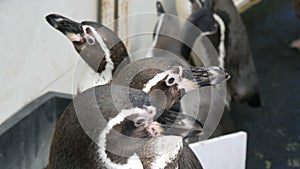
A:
[73,145]
[188,159]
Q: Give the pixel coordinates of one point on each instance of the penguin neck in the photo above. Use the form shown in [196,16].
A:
[106,74]
[162,152]
[115,150]
[166,39]
[91,78]
[156,37]
[102,73]
[219,44]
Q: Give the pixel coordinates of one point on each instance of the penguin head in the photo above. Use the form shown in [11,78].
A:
[166,33]
[131,129]
[97,45]
[133,122]
[167,79]
[173,83]
[139,122]
[203,17]
[159,7]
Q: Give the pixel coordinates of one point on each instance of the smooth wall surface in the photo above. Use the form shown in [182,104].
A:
[35,58]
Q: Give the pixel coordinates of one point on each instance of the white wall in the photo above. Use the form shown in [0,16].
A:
[35,58]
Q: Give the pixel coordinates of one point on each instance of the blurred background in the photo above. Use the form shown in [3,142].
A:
[37,67]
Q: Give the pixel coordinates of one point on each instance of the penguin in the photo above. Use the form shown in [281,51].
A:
[163,35]
[169,35]
[222,24]
[205,20]
[97,45]
[112,127]
[116,52]
[168,80]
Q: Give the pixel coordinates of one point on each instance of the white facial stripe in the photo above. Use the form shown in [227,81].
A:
[133,161]
[207,33]
[182,83]
[154,81]
[222,50]
[160,21]
[105,75]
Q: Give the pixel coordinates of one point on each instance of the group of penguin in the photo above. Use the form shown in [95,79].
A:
[130,119]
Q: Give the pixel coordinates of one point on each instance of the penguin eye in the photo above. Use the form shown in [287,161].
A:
[90,40]
[171,81]
[139,122]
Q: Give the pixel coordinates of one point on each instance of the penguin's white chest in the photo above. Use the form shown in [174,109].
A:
[89,78]
[166,150]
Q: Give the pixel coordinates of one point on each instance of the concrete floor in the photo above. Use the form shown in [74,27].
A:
[274,129]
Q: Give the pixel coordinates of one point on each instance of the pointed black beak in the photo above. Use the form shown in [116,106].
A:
[64,25]
[208,76]
[178,124]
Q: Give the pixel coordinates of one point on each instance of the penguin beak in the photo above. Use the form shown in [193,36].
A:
[209,76]
[71,29]
[178,124]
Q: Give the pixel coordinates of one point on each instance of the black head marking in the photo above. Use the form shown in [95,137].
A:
[64,24]
[159,7]
[202,19]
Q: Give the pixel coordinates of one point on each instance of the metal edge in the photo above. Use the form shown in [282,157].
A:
[29,108]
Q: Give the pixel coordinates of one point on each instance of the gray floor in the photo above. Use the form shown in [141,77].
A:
[274,129]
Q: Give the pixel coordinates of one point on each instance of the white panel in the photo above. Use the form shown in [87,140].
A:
[240,3]
[227,151]
[35,58]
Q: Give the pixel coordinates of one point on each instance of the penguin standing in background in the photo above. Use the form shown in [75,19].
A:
[164,45]
[203,19]
[108,127]
[222,24]
[166,30]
